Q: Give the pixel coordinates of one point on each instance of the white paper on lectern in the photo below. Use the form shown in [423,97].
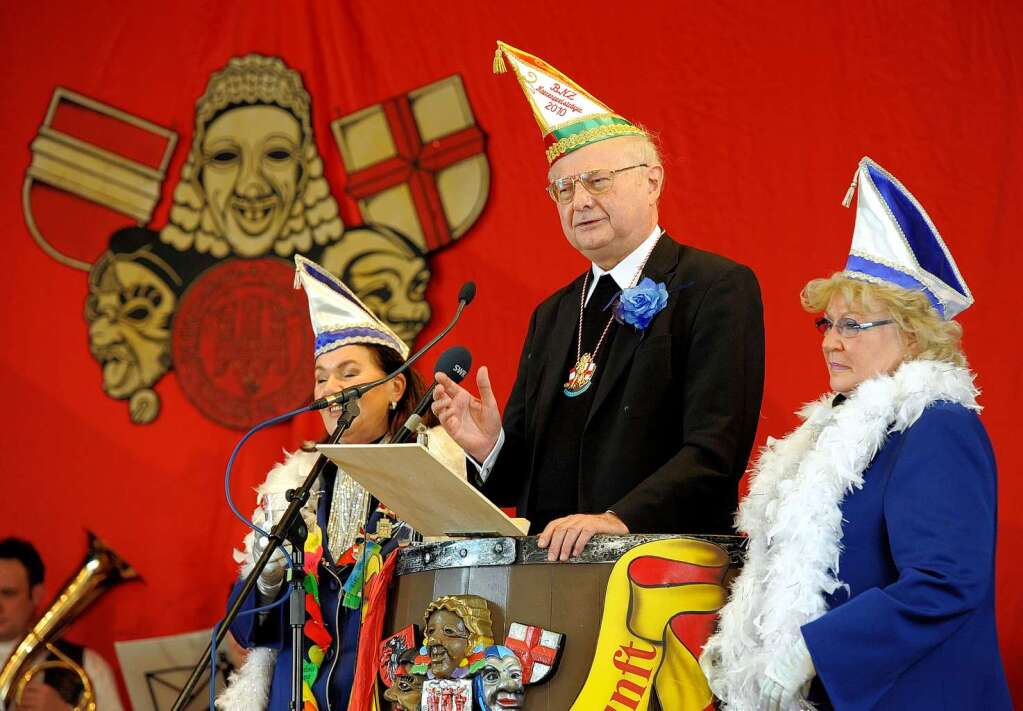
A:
[423,492]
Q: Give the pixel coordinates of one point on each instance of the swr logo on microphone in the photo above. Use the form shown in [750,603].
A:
[462,372]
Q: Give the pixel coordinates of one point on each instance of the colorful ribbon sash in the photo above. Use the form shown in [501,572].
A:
[314,630]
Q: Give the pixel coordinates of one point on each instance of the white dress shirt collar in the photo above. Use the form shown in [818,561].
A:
[625,271]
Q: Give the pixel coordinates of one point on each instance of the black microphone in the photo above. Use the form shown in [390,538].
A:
[466,294]
[455,363]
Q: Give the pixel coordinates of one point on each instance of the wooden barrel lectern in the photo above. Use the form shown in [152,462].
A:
[521,586]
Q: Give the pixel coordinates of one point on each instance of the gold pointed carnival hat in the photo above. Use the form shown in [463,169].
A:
[569,116]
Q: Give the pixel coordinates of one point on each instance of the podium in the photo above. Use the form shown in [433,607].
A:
[578,598]
[629,615]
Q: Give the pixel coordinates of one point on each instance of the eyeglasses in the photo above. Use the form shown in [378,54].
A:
[596,182]
[847,327]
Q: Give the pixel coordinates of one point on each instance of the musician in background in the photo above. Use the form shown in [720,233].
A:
[21,597]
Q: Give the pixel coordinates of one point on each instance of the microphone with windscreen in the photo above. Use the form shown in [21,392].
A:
[466,294]
[455,363]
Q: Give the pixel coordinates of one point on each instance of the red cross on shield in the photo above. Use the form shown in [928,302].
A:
[536,648]
[416,163]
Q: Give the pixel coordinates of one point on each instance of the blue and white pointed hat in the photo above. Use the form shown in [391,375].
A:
[895,242]
[339,318]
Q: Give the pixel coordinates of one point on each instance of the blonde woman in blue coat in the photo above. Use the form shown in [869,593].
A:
[869,580]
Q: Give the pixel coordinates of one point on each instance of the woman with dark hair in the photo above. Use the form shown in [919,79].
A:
[379,360]
[346,525]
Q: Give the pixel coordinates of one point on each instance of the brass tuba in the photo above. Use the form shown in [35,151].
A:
[101,569]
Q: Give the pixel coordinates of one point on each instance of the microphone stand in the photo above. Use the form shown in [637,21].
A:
[291,527]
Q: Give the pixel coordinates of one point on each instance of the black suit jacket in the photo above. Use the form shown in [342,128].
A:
[675,412]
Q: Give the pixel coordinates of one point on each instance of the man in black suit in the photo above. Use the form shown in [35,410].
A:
[616,427]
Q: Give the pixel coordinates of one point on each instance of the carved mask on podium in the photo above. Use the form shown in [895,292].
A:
[447,639]
[406,691]
[454,626]
[498,685]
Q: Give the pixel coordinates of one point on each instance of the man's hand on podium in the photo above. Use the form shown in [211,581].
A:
[565,537]
[473,422]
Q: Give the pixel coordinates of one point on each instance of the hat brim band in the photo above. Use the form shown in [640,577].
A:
[866,270]
[582,133]
[326,342]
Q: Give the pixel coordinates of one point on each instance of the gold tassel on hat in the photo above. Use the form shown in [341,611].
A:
[847,200]
[569,117]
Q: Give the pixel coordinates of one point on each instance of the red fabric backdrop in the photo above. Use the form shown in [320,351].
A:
[763,111]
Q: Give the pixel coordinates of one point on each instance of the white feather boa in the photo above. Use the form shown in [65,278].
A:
[793,518]
[289,474]
[248,688]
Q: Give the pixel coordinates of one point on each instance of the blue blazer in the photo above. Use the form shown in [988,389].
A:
[916,628]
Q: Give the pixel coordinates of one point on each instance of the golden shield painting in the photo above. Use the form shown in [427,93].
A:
[416,162]
[95,165]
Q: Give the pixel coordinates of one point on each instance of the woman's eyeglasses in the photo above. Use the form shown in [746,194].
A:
[596,182]
[847,327]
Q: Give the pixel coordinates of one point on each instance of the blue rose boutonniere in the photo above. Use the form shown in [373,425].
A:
[639,304]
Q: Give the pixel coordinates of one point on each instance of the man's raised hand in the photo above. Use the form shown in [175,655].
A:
[473,422]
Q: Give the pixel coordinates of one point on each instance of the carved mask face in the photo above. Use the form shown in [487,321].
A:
[251,169]
[406,692]
[447,641]
[128,310]
[393,286]
[500,680]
